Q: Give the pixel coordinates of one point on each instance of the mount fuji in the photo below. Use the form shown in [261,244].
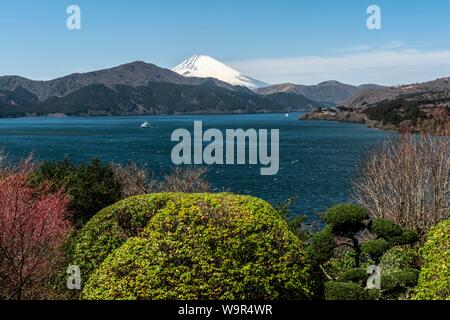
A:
[202,66]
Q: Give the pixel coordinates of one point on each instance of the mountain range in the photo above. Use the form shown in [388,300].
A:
[133,74]
[133,89]
[200,84]
[372,96]
[328,92]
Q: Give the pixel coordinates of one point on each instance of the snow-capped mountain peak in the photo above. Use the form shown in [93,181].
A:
[205,67]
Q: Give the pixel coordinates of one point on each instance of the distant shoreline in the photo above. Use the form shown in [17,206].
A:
[420,125]
[53,116]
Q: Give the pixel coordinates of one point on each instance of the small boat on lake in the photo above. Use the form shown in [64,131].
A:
[145,125]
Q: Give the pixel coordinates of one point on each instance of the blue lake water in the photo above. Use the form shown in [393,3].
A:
[317,159]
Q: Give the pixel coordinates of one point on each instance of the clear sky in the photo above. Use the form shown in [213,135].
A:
[300,41]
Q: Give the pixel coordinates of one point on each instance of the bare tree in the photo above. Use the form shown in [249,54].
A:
[136,180]
[407,180]
[186,180]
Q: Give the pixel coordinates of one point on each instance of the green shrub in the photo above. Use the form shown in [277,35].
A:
[408,277]
[111,227]
[398,258]
[344,255]
[57,173]
[395,282]
[205,246]
[434,280]
[392,232]
[346,219]
[375,248]
[340,264]
[358,275]
[320,250]
[407,237]
[91,187]
[322,246]
[373,294]
[399,272]
[335,290]
[386,229]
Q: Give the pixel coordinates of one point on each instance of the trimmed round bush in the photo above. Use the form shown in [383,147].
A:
[346,218]
[386,229]
[375,248]
[434,280]
[357,275]
[335,290]
[205,246]
[407,237]
[111,227]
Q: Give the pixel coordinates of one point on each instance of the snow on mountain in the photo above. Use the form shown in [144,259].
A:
[205,67]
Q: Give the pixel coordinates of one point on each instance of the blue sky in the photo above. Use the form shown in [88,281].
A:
[300,41]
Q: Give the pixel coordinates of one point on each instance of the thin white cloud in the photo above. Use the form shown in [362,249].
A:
[363,47]
[388,67]
[393,45]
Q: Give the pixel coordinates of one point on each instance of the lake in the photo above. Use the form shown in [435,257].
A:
[317,159]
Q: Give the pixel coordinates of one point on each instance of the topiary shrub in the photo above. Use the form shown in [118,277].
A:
[384,228]
[400,272]
[351,242]
[111,227]
[346,219]
[434,279]
[358,275]
[392,233]
[407,237]
[375,248]
[335,290]
[204,246]
[394,283]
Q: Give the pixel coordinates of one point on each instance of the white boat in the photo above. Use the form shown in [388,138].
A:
[145,125]
[286,115]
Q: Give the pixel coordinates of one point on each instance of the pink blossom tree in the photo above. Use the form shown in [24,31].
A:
[33,229]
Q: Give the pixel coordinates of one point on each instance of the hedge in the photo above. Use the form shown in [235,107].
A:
[335,290]
[111,227]
[201,246]
[434,278]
